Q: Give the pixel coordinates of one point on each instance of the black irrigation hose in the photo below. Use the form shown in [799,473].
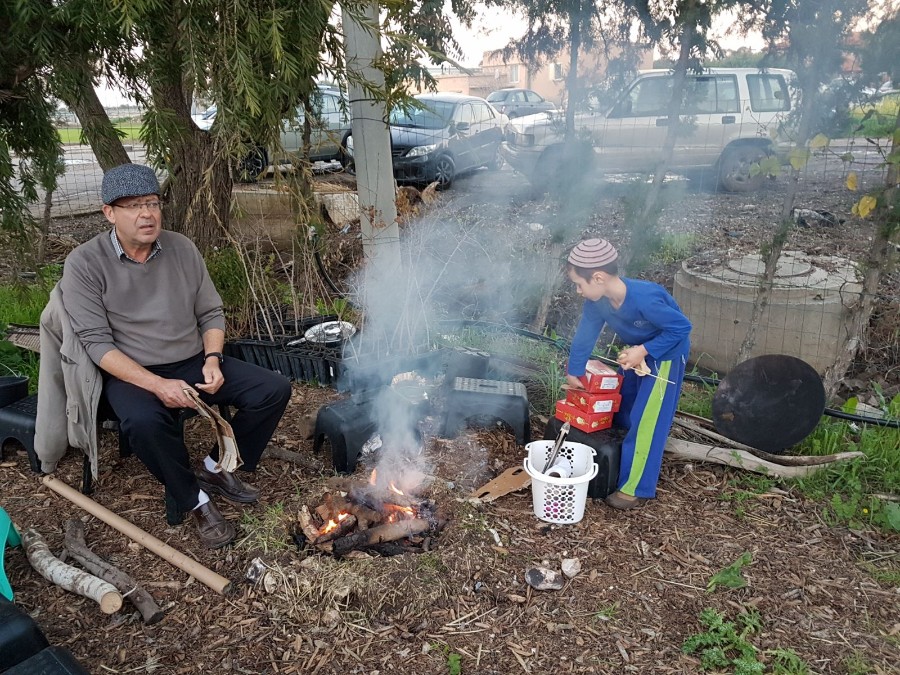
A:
[830,412]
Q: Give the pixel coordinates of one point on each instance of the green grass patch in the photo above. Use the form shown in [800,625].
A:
[267,532]
[672,248]
[23,303]
[131,131]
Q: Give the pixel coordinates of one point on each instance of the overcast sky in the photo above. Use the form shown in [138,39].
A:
[492,30]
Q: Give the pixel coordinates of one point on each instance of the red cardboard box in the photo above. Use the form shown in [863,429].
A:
[585,421]
[594,403]
[600,378]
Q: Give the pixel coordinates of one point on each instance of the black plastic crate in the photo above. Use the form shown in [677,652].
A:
[308,364]
[260,352]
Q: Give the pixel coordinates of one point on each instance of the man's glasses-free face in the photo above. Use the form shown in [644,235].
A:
[139,206]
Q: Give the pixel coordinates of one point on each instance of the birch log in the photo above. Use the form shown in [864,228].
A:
[70,578]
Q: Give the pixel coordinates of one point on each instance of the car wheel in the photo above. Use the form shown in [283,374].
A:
[496,161]
[345,158]
[253,166]
[444,171]
[735,168]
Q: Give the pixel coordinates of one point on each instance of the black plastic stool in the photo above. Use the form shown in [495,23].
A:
[348,424]
[20,637]
[470,397]
[17,422]
[49,661]
[608,445]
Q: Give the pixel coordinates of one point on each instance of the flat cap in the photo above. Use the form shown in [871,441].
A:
[593,253]
[128,180]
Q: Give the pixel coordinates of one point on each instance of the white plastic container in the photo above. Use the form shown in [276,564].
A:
[560,500]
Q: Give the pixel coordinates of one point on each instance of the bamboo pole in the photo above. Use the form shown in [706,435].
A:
[202,574]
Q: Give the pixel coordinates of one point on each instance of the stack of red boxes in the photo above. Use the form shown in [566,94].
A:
[592,408]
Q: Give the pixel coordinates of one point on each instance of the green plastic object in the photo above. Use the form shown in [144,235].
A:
[8,535]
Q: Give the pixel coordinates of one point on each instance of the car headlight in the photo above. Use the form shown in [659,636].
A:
[421,150]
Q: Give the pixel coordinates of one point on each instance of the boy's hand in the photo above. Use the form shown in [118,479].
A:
[632,358]
[574,382]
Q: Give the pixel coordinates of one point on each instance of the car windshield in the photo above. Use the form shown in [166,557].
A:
[436,116]
[496,96]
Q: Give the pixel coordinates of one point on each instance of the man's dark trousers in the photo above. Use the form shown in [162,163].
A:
[152,430]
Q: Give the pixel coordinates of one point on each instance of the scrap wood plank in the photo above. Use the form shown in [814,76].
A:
[744,460]
[514,478]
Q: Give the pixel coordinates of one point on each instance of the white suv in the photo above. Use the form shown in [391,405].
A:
[733,115]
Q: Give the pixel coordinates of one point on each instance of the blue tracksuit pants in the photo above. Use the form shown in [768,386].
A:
[647,410]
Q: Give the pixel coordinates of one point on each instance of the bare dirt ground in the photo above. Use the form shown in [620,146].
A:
[819,588]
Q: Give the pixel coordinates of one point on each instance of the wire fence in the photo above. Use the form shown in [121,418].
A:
[708,253]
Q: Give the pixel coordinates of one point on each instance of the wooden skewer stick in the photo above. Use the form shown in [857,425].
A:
[640,373]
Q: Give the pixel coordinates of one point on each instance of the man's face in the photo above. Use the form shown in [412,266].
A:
[137,220]
[589,289]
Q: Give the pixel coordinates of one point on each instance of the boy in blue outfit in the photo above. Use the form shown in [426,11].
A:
[645,316]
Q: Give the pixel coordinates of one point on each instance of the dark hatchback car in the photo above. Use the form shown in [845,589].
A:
[519,102]
[449,135]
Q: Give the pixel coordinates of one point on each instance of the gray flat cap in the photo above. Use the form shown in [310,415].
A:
[128,180]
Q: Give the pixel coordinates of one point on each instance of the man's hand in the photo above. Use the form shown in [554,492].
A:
[212,374]
[574,382]
[632,358]
[171,393]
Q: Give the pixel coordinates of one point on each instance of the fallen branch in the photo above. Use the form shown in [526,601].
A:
[784,460]
[744,460]
[290,456]
[137,596]
[67,577]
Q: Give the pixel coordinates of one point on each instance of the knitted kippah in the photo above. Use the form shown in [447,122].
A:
[592,253]
[128,180]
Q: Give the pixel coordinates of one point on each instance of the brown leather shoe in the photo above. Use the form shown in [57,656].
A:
[228,485]
[215,531]
[623,502]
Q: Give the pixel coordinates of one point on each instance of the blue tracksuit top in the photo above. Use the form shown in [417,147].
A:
[648,316]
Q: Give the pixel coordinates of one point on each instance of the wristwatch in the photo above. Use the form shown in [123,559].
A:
[218,355]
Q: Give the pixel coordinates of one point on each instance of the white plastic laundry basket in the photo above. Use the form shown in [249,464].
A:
[560,500]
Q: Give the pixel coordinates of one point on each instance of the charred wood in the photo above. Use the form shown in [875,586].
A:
[380,534]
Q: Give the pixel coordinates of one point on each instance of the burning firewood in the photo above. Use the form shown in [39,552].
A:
[336,528]
[380,534]
[304,519]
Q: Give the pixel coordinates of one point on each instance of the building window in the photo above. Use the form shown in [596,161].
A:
[514,73]
[558,72]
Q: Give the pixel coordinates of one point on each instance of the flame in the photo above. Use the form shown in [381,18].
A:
[396,512]
[393,488]
[331,524]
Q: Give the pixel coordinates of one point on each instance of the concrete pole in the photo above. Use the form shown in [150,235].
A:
[371,148]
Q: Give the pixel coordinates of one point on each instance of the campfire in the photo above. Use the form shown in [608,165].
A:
[383,515]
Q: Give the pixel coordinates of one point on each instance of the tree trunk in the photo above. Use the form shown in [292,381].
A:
[79,94]
[200,182]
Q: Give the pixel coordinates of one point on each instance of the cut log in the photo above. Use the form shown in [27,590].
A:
[380,534]
[744,460]
[310,531]
[70,578]
[137,596]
